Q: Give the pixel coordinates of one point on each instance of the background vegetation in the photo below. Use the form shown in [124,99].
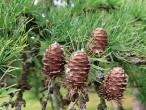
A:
[28,27]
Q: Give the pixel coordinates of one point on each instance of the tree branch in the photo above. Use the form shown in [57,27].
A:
[22,81]
[6,104]
[50,86]
[19,104]
[82,100]
[102,104]
[72,106]
[131,60]
[57,97]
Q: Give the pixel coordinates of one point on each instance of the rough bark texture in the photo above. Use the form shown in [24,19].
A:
[50,87]
[9,102]
[102,105]
[22,83]
[23,80]
[131,59]
[72,106]
[82,101]
[57,97]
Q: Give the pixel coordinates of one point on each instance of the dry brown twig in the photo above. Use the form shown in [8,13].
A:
[50,86]
[6,104]
[72,106]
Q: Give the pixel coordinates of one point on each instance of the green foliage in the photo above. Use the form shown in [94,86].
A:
[123,20]
[127,37]
[8,50]
[12,30]
[13,38]
[7,90]
[137,79]
[124,23]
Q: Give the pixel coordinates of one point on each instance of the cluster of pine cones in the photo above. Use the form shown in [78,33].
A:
[79,66]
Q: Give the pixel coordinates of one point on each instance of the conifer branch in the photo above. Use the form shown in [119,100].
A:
[6,104]
[131,60]
[102,104]
[50,87]
[22,81]
[72,106]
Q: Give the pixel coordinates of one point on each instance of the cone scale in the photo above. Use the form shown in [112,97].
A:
[54,60]
[98,41]
[78,69]
[116,83]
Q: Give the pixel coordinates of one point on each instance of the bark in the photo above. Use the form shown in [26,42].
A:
[9,102]
[50,86]
[23,84]
[28,62]
[57,97]
[131,60]
[102,105]
[99,76]
[82,101]
[72,106]
[137,103]
[118,105]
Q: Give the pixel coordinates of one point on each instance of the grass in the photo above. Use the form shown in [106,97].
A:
[33,103]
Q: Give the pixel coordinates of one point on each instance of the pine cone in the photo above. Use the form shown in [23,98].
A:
[54,60]
[116,83]
[78,69]
[98,44]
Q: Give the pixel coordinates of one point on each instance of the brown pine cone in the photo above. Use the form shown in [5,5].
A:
[54,60]
[98,41]
[116,83]
[78,69]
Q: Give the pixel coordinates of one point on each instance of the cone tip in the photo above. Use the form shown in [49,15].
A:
[118,69]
